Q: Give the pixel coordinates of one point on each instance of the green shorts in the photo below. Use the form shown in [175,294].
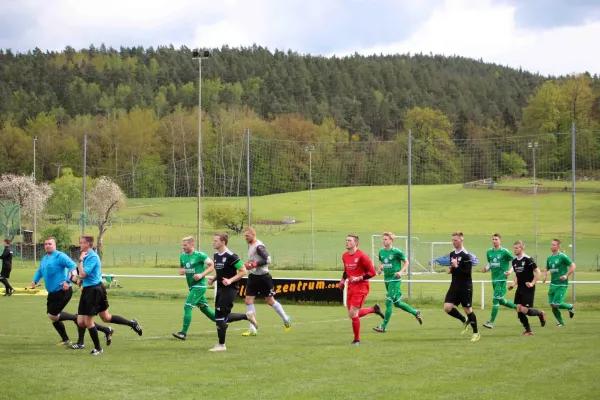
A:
[557,294]
[499,289]
[196,298]
[394,294]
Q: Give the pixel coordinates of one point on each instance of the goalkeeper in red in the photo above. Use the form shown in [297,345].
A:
[195,265]
[393,264]
[358,269]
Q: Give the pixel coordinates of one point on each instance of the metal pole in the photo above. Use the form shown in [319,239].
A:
[573,203]
[199,194]
[408,251]
[312,229]
[248,171]
[535,228]
[84,184]
[34,207]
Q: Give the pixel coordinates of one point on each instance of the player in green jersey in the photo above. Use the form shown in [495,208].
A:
[499,260]
[195,265]
[393,264]
[560,267]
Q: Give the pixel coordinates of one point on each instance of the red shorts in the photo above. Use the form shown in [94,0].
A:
[355,299]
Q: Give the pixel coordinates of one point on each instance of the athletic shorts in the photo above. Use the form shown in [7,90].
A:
[394,294]
[499,289]
[460,296]
[524,296]
[57,301]
[224,301]
[356,299]
[93,300]
[260,285]
[556,294]
[196,298]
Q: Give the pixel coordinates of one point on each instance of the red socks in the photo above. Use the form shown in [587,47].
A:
[356,327]
[365,311]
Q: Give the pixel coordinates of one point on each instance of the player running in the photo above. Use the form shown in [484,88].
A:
[499,260]
[358,269]
[393,264]
[527,274]
[560,267]
[195,265]
[461,288]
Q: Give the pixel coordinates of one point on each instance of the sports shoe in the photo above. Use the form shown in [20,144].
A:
[136,327]
[571,310]
[543,319]
[559,325]
[288,324]
[250,332]
[108,336]
[66,343]
[418,317]
[180,335]
[76,346]
[380,329]
[527,333]
[355,343]
[96,352]
[377,310]
[465,327]
[252,318]
[218,347]
[488,325]
[475,337]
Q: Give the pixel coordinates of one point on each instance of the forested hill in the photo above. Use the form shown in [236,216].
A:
[368,96]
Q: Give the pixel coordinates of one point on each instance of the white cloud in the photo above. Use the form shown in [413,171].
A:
[482,29]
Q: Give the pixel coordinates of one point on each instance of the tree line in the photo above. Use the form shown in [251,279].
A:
[138,110]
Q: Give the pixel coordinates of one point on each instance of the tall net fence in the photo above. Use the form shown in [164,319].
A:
[305,225]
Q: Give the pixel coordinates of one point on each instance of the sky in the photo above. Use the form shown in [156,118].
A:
[551,37]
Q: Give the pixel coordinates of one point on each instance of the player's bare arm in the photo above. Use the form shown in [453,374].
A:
[569,272]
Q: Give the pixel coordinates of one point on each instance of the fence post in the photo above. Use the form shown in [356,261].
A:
[482,295]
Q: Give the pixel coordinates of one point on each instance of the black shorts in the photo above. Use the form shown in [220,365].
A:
[93,300]
[460,295]
[260,285]
[5,273]
[524,296]
[57,301]
[224,301]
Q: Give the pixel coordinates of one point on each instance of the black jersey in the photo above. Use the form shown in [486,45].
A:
[524,267]
[7,256]
[461,275]
[227,266]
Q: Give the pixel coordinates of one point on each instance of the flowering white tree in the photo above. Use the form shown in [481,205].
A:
[105,199]
[22,190]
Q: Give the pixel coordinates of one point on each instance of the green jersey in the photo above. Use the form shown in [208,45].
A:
[391,261]
[499,261]
[558,266]
[194,264]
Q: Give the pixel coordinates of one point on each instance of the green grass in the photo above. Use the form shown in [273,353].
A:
[436,211]
[314,360]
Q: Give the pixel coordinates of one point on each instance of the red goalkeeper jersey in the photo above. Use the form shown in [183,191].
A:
[358,264]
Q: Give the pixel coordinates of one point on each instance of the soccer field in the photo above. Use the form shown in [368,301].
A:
[313,360]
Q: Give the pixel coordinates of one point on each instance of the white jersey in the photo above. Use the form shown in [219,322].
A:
[253,256]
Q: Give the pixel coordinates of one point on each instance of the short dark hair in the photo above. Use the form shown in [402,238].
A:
[497,235]
[7,241]
[223,237]
[355,237]
[557,241]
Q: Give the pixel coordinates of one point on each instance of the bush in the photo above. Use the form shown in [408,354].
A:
[62,234]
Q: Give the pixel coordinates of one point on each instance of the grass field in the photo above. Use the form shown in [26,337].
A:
[436,211]
[314,360]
